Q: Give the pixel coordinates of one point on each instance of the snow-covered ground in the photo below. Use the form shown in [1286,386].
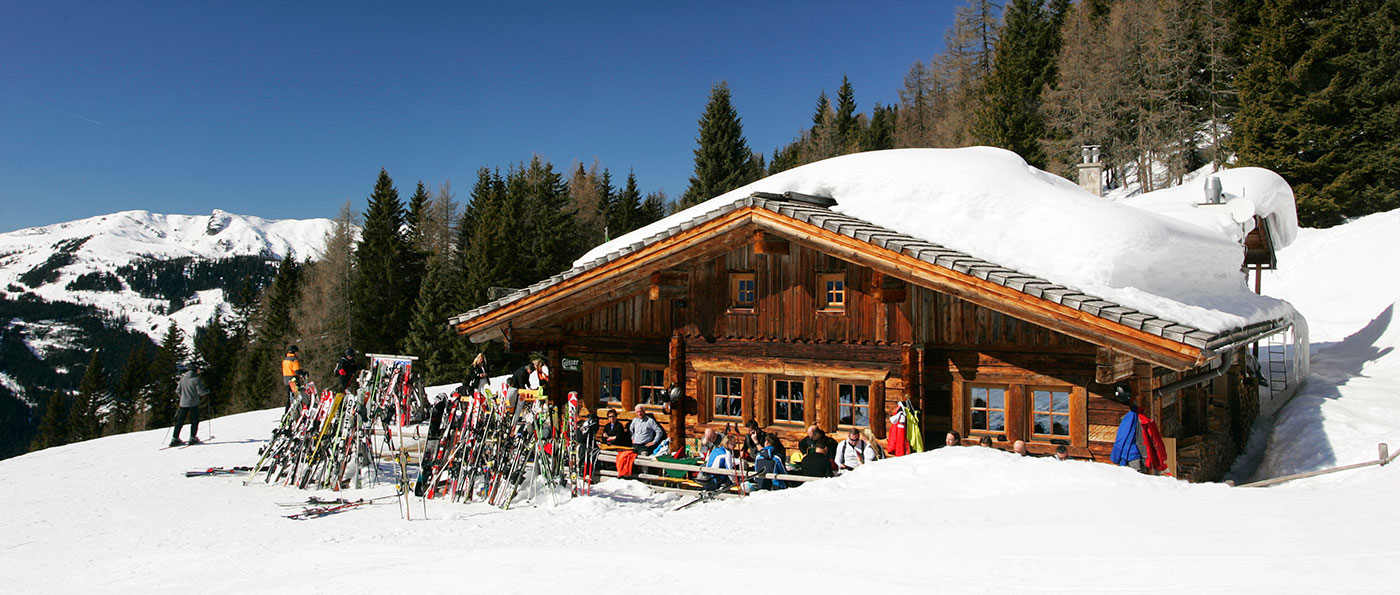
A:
[117,515]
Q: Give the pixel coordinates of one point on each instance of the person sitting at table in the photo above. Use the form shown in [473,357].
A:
[718,459]
[817,463]
[770,460]
[615,432]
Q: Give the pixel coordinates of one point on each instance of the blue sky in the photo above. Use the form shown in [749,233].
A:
[287,110]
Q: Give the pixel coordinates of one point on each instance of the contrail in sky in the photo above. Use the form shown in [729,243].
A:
[79,117]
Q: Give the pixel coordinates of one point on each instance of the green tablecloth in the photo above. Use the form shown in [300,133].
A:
[674,473]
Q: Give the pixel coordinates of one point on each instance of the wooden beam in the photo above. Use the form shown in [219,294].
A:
[1111,367]
[875,372]
[888,289]
[767,243]
[669,284]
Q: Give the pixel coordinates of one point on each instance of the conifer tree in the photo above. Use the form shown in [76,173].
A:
[160,401]
[492,257]
[547,230]
[723,160]
[880,135]
[1010,115]
[587,200]
[53,429]
[128,390]
[258,380]
[1318,99]
[626,212]
[218,356]
[442,354]
[607,205]
[654,207]
[846,125]
[84,422]
[822,113]
[383,288]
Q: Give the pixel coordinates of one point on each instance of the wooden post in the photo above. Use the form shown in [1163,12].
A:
[1385,453]
[675,374]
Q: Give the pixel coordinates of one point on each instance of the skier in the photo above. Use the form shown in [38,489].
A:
[292,374]
[478,377]
[770,460]
[345,370]
[521,380]
[190,389]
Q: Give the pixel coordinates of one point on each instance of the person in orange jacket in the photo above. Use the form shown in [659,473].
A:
[292,374]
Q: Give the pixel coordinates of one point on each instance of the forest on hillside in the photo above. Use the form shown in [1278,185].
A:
[1309,89]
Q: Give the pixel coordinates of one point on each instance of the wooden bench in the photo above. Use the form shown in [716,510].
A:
[663,483]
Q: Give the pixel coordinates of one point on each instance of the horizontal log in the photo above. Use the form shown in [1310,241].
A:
[767,243]
[860,370]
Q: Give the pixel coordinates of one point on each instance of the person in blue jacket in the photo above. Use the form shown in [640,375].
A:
[770,460]
[719,459]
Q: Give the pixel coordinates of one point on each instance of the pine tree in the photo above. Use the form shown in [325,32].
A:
[258,379]
[626,214]
[84,422]
[723,160]
[654,207]
[547,233]
[607,206]
[821,114]
[1010,115]
[159,399]
[128,391]
[383,288]
[53,429]
[442,353]
[880,135]
[491,258]
[1318,100]
[218,356]
[845,121]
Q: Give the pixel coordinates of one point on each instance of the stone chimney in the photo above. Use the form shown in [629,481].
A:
[1090,170]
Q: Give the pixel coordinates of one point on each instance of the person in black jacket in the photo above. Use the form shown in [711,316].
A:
[817,463]
[345,370]
[815,436]
[615,433]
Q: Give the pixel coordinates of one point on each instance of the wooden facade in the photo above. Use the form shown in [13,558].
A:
[758,316]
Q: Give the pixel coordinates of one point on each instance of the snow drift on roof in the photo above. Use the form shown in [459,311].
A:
[989,203]
[1270,194]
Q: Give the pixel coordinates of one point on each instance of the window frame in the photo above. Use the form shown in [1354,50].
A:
[736,278]
[1005,408]
[868,406]
[715,395]
[801,401]
[643,387]
[1032,411]
[824,301]
[621,379]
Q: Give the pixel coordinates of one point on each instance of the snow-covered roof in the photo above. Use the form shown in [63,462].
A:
[1270,195]
[989,204]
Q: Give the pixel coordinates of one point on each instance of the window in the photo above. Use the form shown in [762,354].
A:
[831,291]
[651,390]
[1050,413]
[988,409]
[729,396]
[743,287]
[853,404]
[610,385]
[787,401]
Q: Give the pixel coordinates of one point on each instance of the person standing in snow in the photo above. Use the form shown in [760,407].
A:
[292,374]
[190,388]
[534,370]
[345,370]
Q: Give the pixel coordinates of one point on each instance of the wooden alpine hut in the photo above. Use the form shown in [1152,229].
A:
[827,294]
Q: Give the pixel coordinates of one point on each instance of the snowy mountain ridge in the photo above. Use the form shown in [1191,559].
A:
[47,262]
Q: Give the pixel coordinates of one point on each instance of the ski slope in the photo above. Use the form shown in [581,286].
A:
[117,515]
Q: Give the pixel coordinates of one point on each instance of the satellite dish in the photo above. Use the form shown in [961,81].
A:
[1240,209]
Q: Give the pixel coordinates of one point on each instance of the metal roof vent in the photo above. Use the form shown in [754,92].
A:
[1213,190]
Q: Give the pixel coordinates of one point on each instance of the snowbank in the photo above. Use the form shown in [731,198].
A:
[117,515]
[989,203]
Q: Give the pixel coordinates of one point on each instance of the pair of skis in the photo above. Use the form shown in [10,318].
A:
[218,471]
